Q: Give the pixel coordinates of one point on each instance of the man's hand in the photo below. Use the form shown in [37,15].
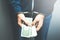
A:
[38,21]
[21,18]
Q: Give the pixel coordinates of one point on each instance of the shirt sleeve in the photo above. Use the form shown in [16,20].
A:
[16,5]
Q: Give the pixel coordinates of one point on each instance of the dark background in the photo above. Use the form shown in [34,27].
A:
[8,27]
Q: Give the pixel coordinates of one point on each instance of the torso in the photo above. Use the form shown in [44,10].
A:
[42,6]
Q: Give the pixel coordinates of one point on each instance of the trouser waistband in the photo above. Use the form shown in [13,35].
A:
[30,14]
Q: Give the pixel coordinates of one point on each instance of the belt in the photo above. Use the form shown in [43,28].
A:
[30,14]
[34,12]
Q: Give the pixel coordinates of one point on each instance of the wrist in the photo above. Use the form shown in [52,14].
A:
[20,13]
[41,16]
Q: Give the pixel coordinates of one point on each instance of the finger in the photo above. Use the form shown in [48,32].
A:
[19,21]
[38,27]
[21,17]
[33,23]
[39,24]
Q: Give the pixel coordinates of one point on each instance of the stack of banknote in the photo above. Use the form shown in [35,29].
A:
[28,31]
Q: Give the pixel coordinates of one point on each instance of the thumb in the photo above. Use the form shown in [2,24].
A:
[34,22]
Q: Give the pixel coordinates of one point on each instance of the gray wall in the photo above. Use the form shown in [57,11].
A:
[54,30]
[5,22]
[6,31]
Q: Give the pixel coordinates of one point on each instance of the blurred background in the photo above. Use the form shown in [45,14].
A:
[7,29]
